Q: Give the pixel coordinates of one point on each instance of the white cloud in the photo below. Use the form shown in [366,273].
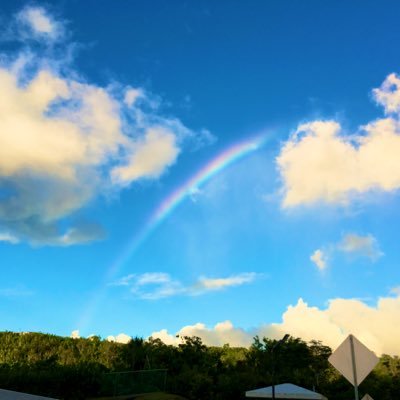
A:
[194,193]
[36,22]
[158,285]
[151,285]
[352,244]
[75,334]
[124,281]
[81,233]
[65,141]
[132,95]
[395,291]
[121,338]
[319,259]
[362,245]
[388,94]
[319,163]
[374,325]
[220,334]
[212,284]
[149,158]
[7,237]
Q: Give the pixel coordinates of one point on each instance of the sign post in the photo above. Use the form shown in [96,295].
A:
[367,397]
[354,361]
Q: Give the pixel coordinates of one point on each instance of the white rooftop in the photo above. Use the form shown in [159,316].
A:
[10,395]
[285,391]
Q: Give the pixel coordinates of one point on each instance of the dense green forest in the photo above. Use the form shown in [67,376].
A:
[69,368]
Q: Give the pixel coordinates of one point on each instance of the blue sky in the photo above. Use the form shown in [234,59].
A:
[109,108]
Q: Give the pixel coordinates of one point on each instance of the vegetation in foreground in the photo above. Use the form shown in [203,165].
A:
[69,368]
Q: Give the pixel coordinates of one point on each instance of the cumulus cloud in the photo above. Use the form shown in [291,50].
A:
[75,334]
[158,285]
[222,333]
[319,259]
[121,338]
[151,156]
[361,245]
[320,163]
[388,95]
[65,141]
[374,325]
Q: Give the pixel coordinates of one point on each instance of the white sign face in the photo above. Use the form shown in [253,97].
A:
[365,360]
[367,397]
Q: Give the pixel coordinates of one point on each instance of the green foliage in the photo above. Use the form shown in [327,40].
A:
[69,368]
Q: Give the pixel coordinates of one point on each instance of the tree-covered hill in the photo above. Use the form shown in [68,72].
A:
[69,368]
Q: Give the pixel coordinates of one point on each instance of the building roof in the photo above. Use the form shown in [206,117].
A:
[11,395]
[285,391]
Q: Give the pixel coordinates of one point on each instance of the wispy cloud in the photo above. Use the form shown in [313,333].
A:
[360,245]
[13,292]
[7,237]
[214,284]
[353,244]
[66,141]
[158,285]
[35,22]
[320,163]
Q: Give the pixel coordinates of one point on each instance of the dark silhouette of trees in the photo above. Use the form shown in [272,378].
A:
[69,368]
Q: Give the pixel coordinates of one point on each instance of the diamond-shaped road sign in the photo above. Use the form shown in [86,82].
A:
[364,360]
[367,397]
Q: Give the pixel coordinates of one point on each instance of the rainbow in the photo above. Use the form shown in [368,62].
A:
[170,203]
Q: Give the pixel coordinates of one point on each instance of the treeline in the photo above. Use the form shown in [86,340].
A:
[69,368]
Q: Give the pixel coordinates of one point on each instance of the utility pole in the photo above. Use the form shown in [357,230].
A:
[278,343]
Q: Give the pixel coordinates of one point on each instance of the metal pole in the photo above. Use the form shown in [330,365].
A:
[273,372]
[278,343]
[353,361]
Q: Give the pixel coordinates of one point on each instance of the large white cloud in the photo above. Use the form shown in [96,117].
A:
[64,141]
[221,333]
[375,325]
[120,338]
[320,162]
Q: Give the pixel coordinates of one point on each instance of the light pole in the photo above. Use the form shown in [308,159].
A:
[278,343]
